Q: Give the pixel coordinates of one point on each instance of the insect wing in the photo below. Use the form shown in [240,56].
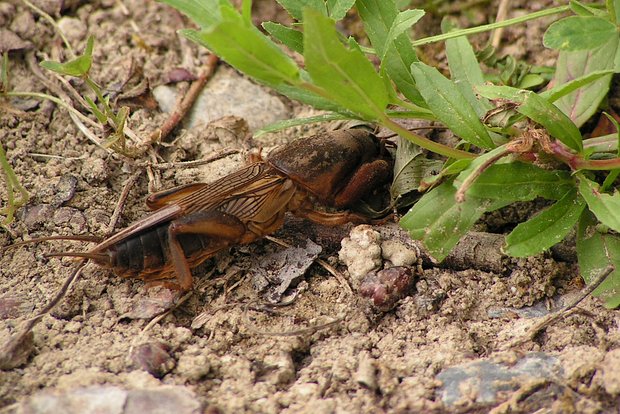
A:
[163,214]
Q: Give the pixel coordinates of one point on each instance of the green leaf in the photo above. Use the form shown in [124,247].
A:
[101,117]
[312,99]
[296,7]
[507,93]
[293,122]
[403,21]
[291,38]
[345,75]
[613,7]
[440,223]
[547,228]
[204,13]
[559,91]
[450,106]
[579,33]
[410,167]
[548,115]
[465,69]
[518,181]
[398,54]
[244,47]
[605,207]
[596,251]
[581,9]
[462,58]
[338,8]
[76,67]
[583,103]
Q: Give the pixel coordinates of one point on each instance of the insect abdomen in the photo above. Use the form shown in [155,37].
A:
[149,251]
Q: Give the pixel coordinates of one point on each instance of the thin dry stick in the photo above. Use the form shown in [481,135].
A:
[563,312]
[343,282]
[186,103]
[305,331]
[502,13]
[120,205]
[54,25]
[16,343]
[467,183]
[189,164]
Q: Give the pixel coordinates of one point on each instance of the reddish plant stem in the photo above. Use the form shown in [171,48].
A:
[577,162]
[186,103]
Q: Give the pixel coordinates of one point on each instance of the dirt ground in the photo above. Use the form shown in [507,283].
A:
[450,346]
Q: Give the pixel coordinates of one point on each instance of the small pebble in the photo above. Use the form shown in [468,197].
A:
[73,28]
[361,252]
[386,287]
[154,358]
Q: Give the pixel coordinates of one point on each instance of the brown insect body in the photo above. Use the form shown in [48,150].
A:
[193,222]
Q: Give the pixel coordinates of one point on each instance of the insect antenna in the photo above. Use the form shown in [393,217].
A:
[96,257]
[91,239]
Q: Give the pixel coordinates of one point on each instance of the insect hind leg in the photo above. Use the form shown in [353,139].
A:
[225,228]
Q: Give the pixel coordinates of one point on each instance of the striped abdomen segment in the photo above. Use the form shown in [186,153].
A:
[149,252]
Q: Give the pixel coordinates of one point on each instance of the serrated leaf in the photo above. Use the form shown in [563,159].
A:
[291,38]
[440,223]
[398,55]
[204,13]
[307,97]
[401,23]
[345,75]
[579,33]
[337,9]
[296,7]
[596,251]
[518,181]
[553,119]
[450,106]
[606,207]
[583,103]
[547,228]
[245,48]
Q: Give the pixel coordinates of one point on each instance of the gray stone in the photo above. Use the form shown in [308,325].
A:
[227,93]
[483,380]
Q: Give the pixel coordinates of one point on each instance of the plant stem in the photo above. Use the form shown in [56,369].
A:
[577,162]
[106,107]
[57,101]
[467,183]
[12,183]
[491,26]
[53,23]
[423,142]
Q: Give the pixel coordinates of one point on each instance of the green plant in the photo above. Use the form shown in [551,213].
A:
[12,183]
[80,67]
[529,144]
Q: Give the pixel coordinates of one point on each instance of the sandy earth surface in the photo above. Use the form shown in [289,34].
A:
[450,346]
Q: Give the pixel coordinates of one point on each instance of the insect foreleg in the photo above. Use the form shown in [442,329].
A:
[223,227]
